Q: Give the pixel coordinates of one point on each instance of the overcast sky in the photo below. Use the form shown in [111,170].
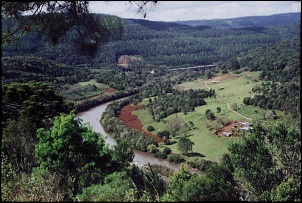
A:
[195,10]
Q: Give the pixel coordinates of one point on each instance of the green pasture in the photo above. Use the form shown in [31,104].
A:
[93,82]
[207,144]
[233,92]
[82,90]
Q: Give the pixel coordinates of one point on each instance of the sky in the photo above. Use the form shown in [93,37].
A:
[195,10]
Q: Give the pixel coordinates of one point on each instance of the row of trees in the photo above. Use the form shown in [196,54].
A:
[186,101]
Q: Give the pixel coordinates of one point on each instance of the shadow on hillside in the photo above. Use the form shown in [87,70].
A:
[195,154]
[170,142]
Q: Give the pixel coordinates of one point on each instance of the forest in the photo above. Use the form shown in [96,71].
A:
[47,154]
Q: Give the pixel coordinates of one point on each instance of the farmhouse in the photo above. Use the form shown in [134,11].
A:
[227,134]
[232,127]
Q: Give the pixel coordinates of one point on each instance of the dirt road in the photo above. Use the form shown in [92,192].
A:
[228,105]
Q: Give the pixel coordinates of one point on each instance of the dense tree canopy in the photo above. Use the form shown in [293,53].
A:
[76,153]
[65,159]
[267,160]
[185,145]
[56,18]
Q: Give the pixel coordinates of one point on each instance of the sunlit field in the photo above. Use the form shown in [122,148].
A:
[230,88]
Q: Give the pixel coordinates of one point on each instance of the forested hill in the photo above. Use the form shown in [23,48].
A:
[280,67]
[161,43]
[250,21]
[275,58]
[157,25]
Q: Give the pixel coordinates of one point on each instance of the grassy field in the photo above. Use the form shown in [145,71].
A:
[232,88]
[93,82]
[206,143]
[82,90]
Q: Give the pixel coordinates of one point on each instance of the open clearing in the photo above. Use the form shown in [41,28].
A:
[206,143]
[84,90]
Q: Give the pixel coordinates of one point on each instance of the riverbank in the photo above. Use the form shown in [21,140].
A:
[132,121]
[93,116]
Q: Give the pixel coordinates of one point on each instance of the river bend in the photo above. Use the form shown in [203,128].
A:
[93,116]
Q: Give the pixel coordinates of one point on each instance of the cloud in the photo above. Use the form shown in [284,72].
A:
[196,10]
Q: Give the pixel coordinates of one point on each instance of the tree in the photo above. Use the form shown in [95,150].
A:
[176,181]
[150,128]
[270,115]
[232,64]
[216,185]
[267,162]
[218,109]
[164,133]
[108,191]
[286,191]
[247,100]
[56,18]
[25,108]
[65,14]
[74,152]
[253,165]
[154,184]
[235,106]
[184,144]
[35,100]
[210,115]
[175,124]
[18,140]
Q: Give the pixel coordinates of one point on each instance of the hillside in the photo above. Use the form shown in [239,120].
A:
[231,130]
[247,22]
[160,43]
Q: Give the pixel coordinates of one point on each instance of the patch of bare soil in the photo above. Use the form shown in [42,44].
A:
[228,128]
[224,77]
[132,121]
[126,60]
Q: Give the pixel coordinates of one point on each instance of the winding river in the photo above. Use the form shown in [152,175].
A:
[93,116]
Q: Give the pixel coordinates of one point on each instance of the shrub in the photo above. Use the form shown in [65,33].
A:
[160,154]
[150,128]
[152,148]
[167,151]
[164,133]
[177,158]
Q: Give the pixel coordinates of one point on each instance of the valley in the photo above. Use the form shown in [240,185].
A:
[221,97]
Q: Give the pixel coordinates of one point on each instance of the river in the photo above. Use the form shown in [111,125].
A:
[93,116]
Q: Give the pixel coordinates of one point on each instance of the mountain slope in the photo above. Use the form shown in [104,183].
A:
[249,21]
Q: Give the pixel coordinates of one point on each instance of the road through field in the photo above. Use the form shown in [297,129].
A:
[227,104]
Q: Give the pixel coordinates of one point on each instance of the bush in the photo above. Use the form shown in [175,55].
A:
[164,133]
[152,148]
[167,151]
[160,154]
[150,128]
[201,164]
[175,158]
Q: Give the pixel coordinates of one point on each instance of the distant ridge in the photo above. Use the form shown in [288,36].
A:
[249,21]
[158,25]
